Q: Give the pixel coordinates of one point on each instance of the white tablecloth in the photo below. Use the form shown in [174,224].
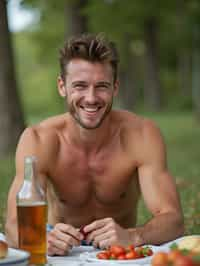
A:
[79,257]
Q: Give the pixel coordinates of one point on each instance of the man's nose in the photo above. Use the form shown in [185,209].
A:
[90,95]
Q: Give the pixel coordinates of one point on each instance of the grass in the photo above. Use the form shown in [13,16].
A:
[6,176]
[181,133]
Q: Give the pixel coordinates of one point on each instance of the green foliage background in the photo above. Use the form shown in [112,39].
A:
[36,57]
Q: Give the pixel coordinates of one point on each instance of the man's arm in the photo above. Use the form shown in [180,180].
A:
[63,236]
[29,144]
[159,192]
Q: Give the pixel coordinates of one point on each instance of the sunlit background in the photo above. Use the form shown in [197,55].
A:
[19,18]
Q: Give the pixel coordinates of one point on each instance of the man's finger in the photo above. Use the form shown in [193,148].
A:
[65,237]
[70,230]
[52,250]
[65,246]
[96,225]
[95,233]
[102,239]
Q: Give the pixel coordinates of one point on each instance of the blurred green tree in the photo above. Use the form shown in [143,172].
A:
[139,20]
[194,16]
[11,115]
[58,20]
[157,43]
[76,20]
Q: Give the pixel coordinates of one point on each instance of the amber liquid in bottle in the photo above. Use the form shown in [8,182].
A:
[32,215]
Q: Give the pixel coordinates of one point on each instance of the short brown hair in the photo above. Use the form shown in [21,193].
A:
[93,48]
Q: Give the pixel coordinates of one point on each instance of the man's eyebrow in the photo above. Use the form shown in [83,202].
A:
[106,83]
[79,82]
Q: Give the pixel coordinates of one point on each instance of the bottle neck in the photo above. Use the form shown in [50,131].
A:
[29,171]
[31,189]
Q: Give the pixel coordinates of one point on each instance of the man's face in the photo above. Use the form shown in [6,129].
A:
[89,88]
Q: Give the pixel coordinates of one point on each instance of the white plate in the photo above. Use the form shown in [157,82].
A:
[176,241]
[15,257]
[91,257]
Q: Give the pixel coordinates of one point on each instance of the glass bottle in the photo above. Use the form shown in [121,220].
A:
[32,213]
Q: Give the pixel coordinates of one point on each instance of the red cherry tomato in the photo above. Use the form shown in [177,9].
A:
[122,257]
[131,255]
[130,248]
[113,256]
[103,255]
[139,252]
[149,252]
[81,230]
[117,250]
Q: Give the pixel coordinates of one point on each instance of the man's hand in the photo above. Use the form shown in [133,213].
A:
[62,238]
[106,232]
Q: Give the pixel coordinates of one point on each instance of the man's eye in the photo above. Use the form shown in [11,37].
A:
[80,87]
[102,87]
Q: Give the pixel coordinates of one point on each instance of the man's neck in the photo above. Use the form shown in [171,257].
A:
[90,140]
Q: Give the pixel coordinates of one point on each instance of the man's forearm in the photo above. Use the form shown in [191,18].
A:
[160,229]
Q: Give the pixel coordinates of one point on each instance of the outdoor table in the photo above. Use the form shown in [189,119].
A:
[76,258]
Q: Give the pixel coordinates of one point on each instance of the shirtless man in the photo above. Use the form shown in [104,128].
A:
[94,161]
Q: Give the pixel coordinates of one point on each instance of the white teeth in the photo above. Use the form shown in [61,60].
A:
[89,109]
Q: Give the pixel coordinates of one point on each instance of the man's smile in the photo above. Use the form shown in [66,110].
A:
[90,109]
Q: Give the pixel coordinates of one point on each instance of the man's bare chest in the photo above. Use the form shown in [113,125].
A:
[79,180]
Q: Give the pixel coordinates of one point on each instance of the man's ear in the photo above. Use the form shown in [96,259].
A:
[116,87]
[61,87]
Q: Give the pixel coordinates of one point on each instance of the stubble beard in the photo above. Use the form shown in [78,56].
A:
[75,115]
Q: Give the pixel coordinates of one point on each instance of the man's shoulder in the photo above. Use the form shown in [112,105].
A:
[54,123]
[46,131]
[134,125]
[41,140]
[130,120]
[139,136]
